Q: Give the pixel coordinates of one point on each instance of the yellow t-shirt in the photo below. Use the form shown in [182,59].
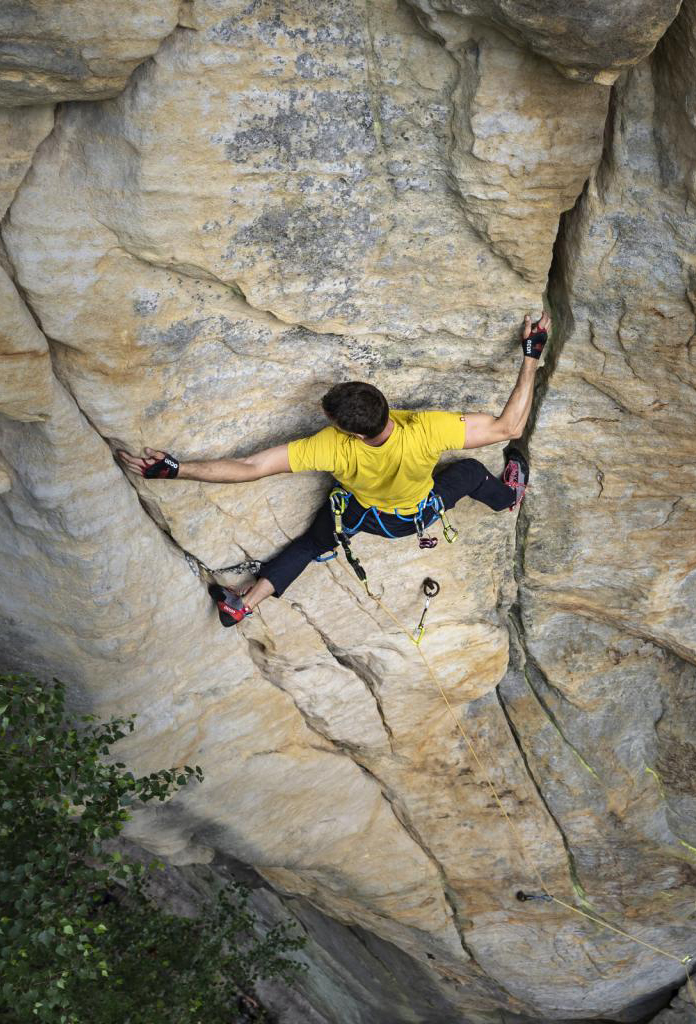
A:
[396,475]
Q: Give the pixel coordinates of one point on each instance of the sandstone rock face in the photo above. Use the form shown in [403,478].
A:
[591,40]
[26,377]
[285,198]
[52,51]
[21,131]
[517,159]
[680,1011]
[26,389]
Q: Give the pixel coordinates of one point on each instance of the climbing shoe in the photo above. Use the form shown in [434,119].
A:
[231,608]
[516,473]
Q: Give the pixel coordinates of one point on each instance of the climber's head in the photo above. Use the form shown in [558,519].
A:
[357,408]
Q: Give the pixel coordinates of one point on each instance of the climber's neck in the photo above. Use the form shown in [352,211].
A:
[375,442]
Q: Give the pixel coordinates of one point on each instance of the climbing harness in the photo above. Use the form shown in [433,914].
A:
[338,500]
[545,895]
[431,588]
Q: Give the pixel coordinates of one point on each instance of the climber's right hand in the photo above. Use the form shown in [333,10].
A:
[155,464]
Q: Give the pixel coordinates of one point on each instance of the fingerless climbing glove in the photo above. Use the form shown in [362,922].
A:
[534,345]
[168,467]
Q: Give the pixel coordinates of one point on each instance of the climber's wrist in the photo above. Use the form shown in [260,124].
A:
[166,468]
[533,344]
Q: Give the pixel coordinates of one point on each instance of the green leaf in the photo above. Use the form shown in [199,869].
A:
[93,957]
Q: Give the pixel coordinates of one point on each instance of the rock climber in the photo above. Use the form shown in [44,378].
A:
[383,459]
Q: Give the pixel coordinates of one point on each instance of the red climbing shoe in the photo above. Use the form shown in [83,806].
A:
[231,608]
[516,474]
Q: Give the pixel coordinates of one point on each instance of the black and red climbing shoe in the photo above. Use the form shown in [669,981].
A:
[164,468]
[516,473]
[534,345]
[231,608]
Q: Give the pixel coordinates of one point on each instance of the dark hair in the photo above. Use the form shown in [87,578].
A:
[357,407]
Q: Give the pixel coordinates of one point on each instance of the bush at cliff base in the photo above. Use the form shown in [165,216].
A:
[81,939]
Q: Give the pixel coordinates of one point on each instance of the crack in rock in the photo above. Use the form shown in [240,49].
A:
[353,664]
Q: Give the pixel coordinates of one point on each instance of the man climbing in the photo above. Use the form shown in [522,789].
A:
[383,461]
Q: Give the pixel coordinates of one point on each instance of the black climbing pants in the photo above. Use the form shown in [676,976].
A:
[465,478]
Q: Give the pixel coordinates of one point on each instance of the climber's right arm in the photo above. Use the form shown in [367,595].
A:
[269,462]
[158,464]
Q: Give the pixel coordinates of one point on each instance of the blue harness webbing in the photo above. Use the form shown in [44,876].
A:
[433,501]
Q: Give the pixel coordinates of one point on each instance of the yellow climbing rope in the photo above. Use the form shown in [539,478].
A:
[684,961]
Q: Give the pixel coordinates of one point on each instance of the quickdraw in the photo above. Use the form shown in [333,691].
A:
[431,588]
[251,567]
[338,501]
[524,896]
[438,506]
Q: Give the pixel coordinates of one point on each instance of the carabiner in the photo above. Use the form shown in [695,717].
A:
[337,501]
[424,540]
[448,530]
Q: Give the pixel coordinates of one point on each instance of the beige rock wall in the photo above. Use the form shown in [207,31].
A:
[27,377]
[286,197]
[81,49]
[517,158]
[591,41]
[21,131]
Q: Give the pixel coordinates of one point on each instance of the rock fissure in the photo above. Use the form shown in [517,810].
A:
[258,653]
[561,315]
[406,823]
[571,866]
[391,799]
[543,704]
[198,273]
[354,666]
[26,174]
[149,507]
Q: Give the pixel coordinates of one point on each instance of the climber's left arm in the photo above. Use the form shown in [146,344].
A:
[484,428]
